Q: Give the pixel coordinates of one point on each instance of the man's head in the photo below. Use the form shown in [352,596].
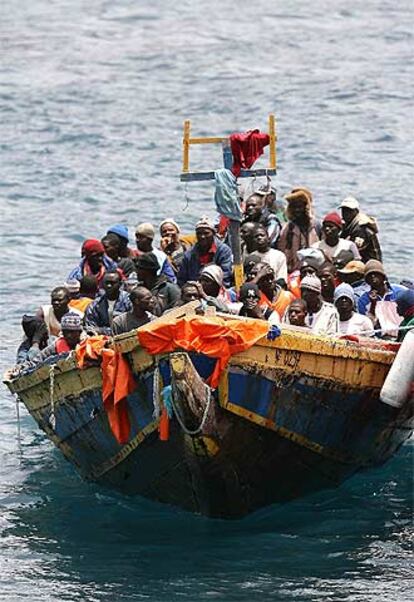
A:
[311,288]
[211,279]
[147,268]
[190,291]
[261,239]
[375,275]
[349,209]
[59,299]
[246,234]
[352,272]
[299,206]
[249,295]
[71,325]
[331,227]
[405,302]
[121,232]
[344,300]
[73,287]
[142,300]
[327,274]
[254,207]
[111,283]
[144,235]
[112,246]
[169,229]
[88,287]
[266,280]
[205,231]
[93,251]
[297,312]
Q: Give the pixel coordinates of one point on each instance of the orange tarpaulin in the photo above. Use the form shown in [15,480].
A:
[211,336]
[117,382]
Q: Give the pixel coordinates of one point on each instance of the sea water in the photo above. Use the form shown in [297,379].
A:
[92,100]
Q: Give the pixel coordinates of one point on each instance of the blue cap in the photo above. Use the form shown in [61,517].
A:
[120,230]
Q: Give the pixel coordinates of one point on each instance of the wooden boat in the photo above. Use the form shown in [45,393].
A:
[289,417]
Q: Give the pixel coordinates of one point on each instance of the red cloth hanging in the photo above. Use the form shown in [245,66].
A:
[246,148]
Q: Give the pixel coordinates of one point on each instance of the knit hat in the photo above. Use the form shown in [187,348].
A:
[214,272]
[71,321]
[313,257]
[145,229]
[349,202]
[170,221]
[311,283]
[92,245]
[344,290]
[405,300]
[72,286]
[353,267]
[374,266]
[148,261]
[120,230]
[205,222]
[333,218]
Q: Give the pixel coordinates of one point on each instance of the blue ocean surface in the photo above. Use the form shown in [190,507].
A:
[93,96]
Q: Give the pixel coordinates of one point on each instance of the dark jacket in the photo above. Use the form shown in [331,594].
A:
[363,232]
[97,316]
[166,294]
[191,266]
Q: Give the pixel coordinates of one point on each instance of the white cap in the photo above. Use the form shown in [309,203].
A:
[350,202]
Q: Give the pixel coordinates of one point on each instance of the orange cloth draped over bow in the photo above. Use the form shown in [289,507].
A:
[211,336]
[117,382]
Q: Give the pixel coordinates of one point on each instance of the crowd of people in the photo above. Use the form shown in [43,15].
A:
[325,276]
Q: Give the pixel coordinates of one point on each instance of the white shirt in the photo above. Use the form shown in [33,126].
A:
[357,324]
[342,245]
[325,321]
[277,261]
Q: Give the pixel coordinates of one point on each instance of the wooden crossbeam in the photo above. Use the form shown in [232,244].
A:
[189,176]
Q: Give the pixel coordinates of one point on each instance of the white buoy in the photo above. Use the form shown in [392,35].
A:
[397,386]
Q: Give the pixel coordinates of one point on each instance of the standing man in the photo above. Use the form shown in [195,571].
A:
[94,262]
[114,301]
[257,212]
[331,244]
[144,237]
[276,259]
[361,229]
[208,249]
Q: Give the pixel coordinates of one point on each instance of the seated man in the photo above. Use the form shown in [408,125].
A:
[276,259]
[52,314]
[144,237]
[71,335]
[379,303]
[36,339]
[165,292]
[327,276]
[322,317]
[296,313]
[112,302]
[350,321]
[141,313]
[94,262]
[171,243]
[190,291]
[353,274]
[249,297]
[207,250]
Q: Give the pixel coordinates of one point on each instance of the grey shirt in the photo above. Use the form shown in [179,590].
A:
[128,321]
